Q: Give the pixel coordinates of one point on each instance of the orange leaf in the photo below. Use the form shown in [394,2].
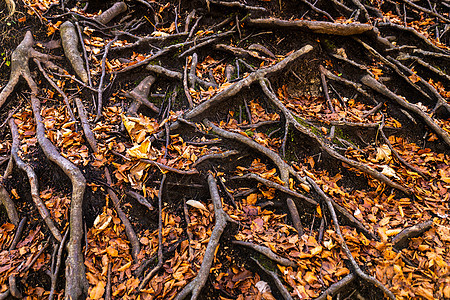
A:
[98,291]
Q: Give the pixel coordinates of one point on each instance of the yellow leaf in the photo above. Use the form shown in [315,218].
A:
[112,252]
[252,198]
[98,291]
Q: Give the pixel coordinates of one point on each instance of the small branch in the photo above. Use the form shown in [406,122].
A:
[102,77]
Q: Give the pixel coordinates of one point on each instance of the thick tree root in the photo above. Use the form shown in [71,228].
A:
[343,244]
[139,94]
[196,285]
[314,26]
[111,13]
[33,180]
[69,39]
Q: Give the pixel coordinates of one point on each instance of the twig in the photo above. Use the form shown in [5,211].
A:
[188,230]
[295,216]
[336,287]
[90,137]
[167,168]
[55,268]
[102,78]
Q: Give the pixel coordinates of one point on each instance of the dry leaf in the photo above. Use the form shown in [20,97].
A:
[196,204]
[98,291]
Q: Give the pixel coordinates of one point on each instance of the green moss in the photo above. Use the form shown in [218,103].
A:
[328,44]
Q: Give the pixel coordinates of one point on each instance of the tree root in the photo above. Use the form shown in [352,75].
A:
[170,169]
[85,124]
[382,89]
[358,165]
[54,271]
[9,206]
[268,253]
[132,237]
[140,94]
[111,13]
[18,234]
[235,4]
[401,240]
[33,180]
[336,287]
[214,156]
[69,39]
[281,288]
[296,222]
[246,82]
[343,244]
[160,228]
[277,186]
[314,26]
[196,285]
[283,167]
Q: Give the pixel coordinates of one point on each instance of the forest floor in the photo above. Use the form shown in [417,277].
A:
[214,149]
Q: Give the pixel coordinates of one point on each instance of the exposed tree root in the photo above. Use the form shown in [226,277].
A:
[343,244]
[160,228]
[277,186]
[196,285]
[18,234]
[33,180]
[336,287]
[281,288]
[296,222]
[9,205]
[358,165]
[267,252]
[69,39]
[135,245]
[400,241]
[382,89]
[314,26]
[111,13]
[85,124]
[56,264]
[140,93]
[214,156]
